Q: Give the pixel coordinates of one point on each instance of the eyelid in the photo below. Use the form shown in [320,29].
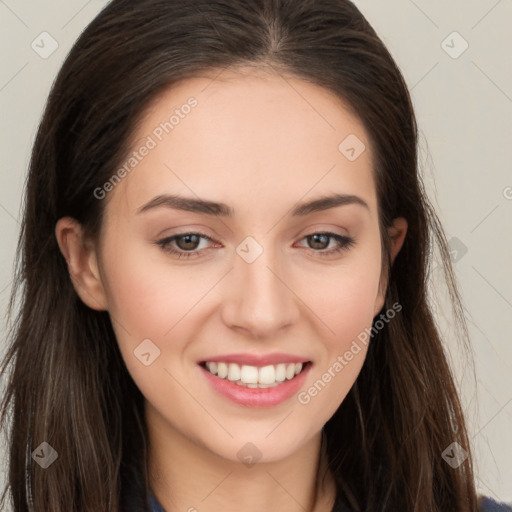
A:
[344,243]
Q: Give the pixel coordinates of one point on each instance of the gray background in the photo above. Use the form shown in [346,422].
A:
[463,102]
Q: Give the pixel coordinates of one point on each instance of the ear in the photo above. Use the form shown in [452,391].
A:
[396,232]
[81,257]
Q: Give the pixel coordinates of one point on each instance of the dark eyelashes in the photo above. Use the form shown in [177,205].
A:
[344,243]
[165,244]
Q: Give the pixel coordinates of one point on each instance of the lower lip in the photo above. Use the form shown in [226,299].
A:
[257,397]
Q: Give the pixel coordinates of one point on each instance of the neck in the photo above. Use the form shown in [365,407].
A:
[186,476]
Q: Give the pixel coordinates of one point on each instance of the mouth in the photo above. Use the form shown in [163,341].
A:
[256,377]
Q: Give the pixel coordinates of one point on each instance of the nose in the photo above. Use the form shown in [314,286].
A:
[258,296]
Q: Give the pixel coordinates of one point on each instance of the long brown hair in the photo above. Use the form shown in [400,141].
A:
[68,384]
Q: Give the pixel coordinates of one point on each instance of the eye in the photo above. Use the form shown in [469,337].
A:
[319,240]
[188,244]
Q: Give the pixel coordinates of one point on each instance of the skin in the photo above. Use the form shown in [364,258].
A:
[260,144]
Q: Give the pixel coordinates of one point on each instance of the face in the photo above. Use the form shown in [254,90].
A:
[260,278]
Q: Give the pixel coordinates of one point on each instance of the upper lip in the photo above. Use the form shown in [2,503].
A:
[256,360]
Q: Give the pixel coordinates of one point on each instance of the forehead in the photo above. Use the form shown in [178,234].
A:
[240,136]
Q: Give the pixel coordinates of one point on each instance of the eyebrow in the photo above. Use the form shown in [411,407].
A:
[223,210]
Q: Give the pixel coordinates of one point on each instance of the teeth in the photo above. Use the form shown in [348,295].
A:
[266,375]
[233,372]
[280,372]
[249,374]
[290,371]
[222,370]
[254,376]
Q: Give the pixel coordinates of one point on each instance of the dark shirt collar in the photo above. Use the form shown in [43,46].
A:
[154,506]
[485,505]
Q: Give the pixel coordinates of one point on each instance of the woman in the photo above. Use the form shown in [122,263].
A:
[288,357]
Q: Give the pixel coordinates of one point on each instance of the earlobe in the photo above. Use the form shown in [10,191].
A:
[81,258]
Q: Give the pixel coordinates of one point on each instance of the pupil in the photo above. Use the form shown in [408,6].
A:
[315,241]
[188,241]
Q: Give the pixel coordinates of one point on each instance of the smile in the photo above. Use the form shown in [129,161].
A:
[254,376]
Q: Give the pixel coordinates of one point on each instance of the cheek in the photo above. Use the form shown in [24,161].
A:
[137,300]
[345,312]
[145,295]
[344,298]
[152,300]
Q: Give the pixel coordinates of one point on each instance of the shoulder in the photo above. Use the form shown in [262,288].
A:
[485,504]
[489,505]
